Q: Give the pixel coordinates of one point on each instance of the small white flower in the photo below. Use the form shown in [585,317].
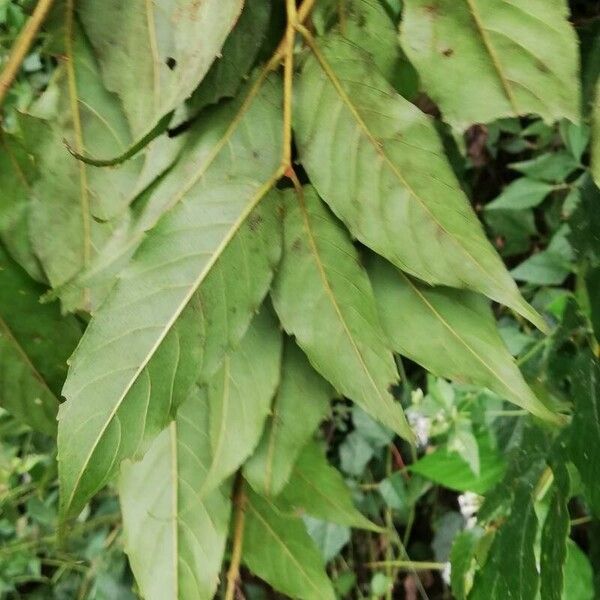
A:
[469,504]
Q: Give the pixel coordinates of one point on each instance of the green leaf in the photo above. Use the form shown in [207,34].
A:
[109,414]
[523,52]
[595,143]
[462,559]
[328,537]
[555,534]
[301,392]
[585,426]
[553,167]
[318,489]
[520,194]
[450,470]
[510,569]
[239,397]
[278,549]
[149,51]
[240,50]
[75,207]
[323,297]
[17,173]
[175,540]
[450,332]
[579,575]
[400,176]
[35,342]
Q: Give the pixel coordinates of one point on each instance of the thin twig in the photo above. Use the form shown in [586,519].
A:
[22,46]
[239,503]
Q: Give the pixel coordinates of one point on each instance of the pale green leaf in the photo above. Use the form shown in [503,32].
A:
[239,397]
[328,537]
[318,489]
[35,342]
[278,549]
[511,58]
[393,186]
[150,50]
[175,540]
[462,559]
[301,392]
[450,332]
[323,297]
[109,373]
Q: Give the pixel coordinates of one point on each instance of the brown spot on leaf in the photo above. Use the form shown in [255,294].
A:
[448,52]
[254,221]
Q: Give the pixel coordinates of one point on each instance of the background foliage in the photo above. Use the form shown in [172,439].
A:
[490,501]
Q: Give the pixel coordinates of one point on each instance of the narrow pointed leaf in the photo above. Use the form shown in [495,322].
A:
[323,297]
[524,53]
[584,449]
[175,540]
[318,489]
[452,333]
[108,379]
[555,534]
[301,392]
[510,570]
[150,52]
[239,397]
[394,188]
[35,342]
[278,549]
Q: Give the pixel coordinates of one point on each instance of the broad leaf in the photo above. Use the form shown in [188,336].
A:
[394,188]
[462,559]
[450,332]
[452,471]
[318,489]
[523,52]
[521,194]
[323,297]
[301,392]
[75,207]
[585,428]
[154,54]
[239,397]
[278,549]
[595,144]
[510,570]
[35,342]
[110,371]
[174,539]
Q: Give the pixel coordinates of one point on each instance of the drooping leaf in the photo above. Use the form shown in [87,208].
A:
[126,338]
[323,297]
[318,489]
[301,392]
[394,188]
[555,534]
[523,52]
[175,540]
[450,332]
[510,570]
[35,342]
[150,53]
[239,397]
[278,549]
[585,428]
[579,575]
[75,207]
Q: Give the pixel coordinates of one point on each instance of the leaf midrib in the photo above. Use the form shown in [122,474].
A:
[330,74]
[281,542]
